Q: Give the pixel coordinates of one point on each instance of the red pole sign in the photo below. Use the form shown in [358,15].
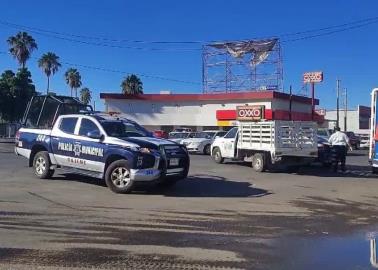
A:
[313,77]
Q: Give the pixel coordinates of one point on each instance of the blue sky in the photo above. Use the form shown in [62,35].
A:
[351,55]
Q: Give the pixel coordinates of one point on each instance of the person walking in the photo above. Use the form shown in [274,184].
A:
[339,142]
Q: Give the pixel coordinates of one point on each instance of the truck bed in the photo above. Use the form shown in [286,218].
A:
[291,138]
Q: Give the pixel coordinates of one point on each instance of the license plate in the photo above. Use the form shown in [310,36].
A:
[149,172]
[174,162]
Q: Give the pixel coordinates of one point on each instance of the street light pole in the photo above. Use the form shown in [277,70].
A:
[345,109]
[337,102]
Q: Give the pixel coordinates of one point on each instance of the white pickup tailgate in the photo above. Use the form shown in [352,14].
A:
[281,138]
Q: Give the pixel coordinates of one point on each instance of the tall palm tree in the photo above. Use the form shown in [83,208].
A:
[73,79]
[85,95]
[49,63]
[21,47]
[132,85]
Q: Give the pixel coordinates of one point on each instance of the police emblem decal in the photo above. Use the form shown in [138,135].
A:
[77,149]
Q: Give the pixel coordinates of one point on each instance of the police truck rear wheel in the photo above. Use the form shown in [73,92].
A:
[258,163]
[118,177]
[41,165]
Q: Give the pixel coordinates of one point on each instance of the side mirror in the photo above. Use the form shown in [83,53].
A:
[216,137]
[95,135]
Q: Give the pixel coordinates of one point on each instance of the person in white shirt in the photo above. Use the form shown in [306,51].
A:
[339,142]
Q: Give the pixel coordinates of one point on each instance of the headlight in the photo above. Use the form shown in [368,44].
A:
[139,149]
[195,144]
[144,150]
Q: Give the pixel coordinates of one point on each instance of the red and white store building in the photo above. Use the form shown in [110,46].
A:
[205,111]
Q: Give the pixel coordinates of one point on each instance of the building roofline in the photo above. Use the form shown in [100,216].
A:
[258,95]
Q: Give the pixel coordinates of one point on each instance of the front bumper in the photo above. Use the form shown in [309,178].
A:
[144,174]
[193,150]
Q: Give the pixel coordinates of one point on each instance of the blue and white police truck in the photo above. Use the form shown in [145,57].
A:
[62,133]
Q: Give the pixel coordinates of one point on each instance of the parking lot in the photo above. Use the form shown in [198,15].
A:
[223,216]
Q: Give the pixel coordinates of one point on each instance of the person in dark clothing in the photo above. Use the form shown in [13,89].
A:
[339,142]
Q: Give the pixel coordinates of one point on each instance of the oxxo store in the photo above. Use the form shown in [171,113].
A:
[206,111]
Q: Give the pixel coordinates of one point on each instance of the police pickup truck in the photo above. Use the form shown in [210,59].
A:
[103,146]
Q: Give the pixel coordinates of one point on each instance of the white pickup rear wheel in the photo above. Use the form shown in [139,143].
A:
[258,162]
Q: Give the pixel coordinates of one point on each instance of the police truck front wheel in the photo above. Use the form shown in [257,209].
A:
[42,164]
[118,177]
[258,162]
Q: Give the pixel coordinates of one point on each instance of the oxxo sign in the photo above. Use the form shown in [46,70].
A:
[313,77]
[250,113]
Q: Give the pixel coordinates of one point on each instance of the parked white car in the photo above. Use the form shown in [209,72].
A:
[178,137]
[201,143]
[365,140]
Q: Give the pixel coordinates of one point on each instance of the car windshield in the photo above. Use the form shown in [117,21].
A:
[322,140]
[121,129]
[322,132]
[178,135]
[205,134]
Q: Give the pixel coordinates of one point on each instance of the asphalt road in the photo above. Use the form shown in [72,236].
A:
[223,216]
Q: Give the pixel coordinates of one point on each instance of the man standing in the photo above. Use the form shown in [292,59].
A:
[339,142]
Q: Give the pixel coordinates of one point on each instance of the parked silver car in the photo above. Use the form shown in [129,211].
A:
[178,137]
[201,142]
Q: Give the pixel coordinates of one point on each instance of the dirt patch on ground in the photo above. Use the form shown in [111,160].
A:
[102,243]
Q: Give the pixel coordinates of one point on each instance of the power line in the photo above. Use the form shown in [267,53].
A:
[330,32]
[120,71]
[63,36]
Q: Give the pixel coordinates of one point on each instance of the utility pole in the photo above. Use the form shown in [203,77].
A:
[290,103]
[345,108]
[337,102]
[312,100]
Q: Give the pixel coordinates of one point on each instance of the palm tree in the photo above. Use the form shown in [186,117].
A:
[73,79]
[21,47]
[85,95]
[132,85]
[49,63]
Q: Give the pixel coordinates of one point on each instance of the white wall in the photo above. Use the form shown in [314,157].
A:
[352,120]
[188,113]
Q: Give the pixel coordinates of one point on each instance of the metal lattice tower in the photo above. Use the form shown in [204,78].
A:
[223,72]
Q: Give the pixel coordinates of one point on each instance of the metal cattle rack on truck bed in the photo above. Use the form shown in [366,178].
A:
[290,143]
[42,111]
[279,137]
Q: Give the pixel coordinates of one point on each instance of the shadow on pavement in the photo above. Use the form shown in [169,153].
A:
[193,186]
[352,171]
[213,186]
[79,178]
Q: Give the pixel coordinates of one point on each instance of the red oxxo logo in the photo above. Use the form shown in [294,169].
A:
[250,113]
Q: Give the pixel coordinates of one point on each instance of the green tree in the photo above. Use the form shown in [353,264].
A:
[15,92]
[132,85]
[21,46]
[85,95]
[73,79]
[49,63]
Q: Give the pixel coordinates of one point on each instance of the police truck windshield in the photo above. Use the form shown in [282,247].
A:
[121,129]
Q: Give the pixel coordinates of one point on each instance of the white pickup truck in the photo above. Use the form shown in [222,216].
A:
[267,143]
